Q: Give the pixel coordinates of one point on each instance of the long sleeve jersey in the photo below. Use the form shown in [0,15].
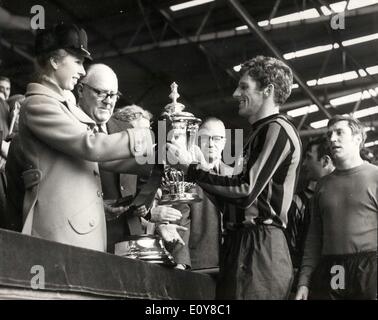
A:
[263,190]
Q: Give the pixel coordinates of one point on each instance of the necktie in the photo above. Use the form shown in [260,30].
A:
[98,129]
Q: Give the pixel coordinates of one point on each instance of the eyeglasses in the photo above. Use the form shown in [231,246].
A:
[206,139]
[102,94]
[137,116]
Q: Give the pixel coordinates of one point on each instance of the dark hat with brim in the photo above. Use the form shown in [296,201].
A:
[63,36]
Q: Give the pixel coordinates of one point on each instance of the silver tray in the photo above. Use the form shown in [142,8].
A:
[177,198]
[146,248]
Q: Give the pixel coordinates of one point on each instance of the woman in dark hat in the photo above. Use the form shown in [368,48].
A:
[63,197]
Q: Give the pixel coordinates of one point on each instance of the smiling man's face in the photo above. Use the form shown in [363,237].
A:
[249,95]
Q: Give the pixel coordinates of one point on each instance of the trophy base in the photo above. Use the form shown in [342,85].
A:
[146,248]
[179,198]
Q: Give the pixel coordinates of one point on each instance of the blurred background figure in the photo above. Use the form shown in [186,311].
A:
[317,163]
[134,115]
[15,103]
[367,155]
[5,88]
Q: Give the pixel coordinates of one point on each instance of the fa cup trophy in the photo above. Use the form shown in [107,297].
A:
[182,127]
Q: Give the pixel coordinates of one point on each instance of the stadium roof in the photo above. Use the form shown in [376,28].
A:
[331,45]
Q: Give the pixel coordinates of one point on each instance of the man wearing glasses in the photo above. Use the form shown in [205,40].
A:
[98,103]
[205,227]
[98,94]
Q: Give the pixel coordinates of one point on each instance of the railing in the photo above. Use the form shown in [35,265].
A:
[33,268]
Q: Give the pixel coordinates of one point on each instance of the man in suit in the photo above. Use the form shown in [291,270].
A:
[205,227]
[115,185]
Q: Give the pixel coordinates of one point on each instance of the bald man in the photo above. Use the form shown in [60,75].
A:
[205,227]
[100,80]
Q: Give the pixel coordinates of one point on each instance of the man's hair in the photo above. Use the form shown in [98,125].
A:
[212,119]
[268,70]
[323,146]
[355,125]
[132,112]
[94,69]
[2,78]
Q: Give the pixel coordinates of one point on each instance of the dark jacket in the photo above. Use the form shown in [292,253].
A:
[205,229]
[298,221]
[115,186]
[11,219]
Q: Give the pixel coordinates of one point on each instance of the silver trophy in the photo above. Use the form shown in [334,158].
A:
[183,128]
[145,247]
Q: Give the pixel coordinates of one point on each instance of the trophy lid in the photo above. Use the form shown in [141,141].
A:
[174,110]
[174,106]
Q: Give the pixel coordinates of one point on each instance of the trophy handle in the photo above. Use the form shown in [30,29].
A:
[192,135]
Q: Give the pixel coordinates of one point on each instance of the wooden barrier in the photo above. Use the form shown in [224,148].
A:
[33,268]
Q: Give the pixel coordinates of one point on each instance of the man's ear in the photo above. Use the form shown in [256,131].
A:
[224,141]
[268,90]
[358,138]
[326,161]
[79,89]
